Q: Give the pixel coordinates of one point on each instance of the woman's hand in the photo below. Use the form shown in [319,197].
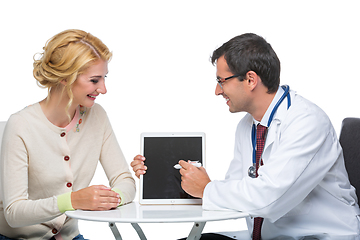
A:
[138,165]
[97,197]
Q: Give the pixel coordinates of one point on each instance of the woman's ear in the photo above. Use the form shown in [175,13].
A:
[64,82]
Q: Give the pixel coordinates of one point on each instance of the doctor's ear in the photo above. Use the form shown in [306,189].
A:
[252,79]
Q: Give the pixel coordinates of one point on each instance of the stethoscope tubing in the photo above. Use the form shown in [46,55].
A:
[253,130]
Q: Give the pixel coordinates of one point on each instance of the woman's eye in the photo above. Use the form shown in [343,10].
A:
[94,81]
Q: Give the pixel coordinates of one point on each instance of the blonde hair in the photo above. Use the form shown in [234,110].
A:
[67,55]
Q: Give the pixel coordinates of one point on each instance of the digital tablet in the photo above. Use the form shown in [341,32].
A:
[161,184]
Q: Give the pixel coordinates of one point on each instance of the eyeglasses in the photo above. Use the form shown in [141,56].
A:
[221,81]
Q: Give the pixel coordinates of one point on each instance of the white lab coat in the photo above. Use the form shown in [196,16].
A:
[302,188]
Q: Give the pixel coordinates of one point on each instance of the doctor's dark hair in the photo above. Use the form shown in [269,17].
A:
[250,52]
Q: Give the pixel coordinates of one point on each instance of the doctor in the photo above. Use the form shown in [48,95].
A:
[288,169]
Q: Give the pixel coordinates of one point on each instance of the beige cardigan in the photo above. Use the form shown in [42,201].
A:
[40,162]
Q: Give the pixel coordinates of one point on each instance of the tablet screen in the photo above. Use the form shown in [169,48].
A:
[162,181]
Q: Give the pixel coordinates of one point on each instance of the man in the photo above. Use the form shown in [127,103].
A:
[288,169]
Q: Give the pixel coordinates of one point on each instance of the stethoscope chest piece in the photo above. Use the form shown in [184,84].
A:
[252,172]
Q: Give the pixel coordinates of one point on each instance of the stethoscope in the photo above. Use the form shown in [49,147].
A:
[252,169]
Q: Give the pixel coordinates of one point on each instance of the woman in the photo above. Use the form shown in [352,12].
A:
[51,149]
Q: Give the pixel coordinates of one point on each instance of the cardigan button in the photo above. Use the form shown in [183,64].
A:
[54,231]
[66,158]
[62,134]
[69,185]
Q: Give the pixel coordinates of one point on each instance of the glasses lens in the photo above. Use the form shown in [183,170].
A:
[218,80]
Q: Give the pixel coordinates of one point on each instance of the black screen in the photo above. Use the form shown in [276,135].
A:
[162,180]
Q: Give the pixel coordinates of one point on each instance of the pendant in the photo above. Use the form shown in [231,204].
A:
[252,172]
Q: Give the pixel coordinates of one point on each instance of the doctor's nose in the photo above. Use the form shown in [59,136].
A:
[218,90]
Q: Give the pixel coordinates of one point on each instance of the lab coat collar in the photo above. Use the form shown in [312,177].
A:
[265,118]
[279,114]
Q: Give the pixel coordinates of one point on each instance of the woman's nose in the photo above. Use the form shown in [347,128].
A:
[102,88]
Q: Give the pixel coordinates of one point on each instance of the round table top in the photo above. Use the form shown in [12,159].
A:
[136,213]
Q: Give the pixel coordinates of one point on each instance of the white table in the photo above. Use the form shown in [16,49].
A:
[135,213]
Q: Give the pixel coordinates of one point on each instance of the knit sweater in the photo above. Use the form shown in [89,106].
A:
[41,164]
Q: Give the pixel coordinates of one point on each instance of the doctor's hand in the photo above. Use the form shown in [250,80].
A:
[97,197]
[138,165]
[193,179]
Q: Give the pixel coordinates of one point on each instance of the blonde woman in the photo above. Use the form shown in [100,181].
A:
[50,149]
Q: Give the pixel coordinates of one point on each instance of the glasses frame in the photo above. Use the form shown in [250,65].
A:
[221,81]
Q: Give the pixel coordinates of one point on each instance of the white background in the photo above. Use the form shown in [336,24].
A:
[161,78]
